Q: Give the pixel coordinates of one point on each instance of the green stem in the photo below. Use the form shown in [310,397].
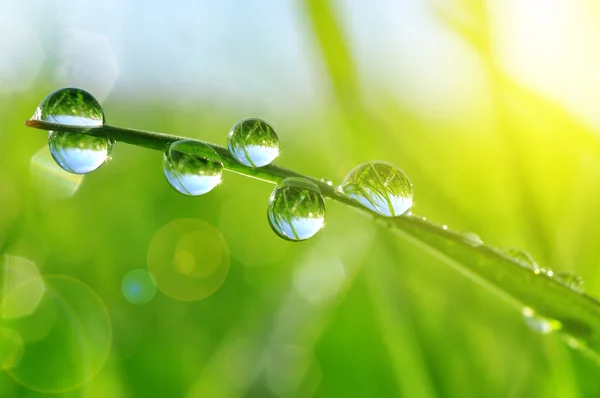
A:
[578,313]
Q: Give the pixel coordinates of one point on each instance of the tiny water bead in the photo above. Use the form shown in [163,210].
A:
[522,258]
[79,153]
[253,142]
[138,287]
[538,323]
[381,187]
[296,209]
[71,106]
[192,167]
[471,239]
[571,280]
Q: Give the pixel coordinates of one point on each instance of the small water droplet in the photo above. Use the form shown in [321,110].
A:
[570,279]
[253,142]
[327,182]
[79,153]
[472,239]
[522,258]
[445,227]
[71,106]
[296,209]
[380,187]
[538,323]
[192,167]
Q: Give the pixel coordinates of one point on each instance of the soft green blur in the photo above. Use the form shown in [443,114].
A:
[354,311]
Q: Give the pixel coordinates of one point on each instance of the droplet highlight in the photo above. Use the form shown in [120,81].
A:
[296,209]
[192,167]
[71,106]
[380,187]
[538,323]
[79,153]
[253,142]
[571,280]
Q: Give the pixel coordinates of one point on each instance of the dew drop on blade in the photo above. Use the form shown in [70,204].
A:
[296,209]
[75,152]
[570,279]
[70,106]
[192,167]
[79,153]
[522,258]
[471,239]
[253,142]
[381,187]
[538,323]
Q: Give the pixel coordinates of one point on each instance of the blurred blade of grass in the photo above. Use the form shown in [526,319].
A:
[563,382]
[477,34]
[396,326]
[514,103]
[360,122]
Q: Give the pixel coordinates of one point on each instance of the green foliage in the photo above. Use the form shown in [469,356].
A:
[354,311]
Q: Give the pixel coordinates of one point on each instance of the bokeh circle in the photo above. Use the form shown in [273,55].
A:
[189,259]
[65,341]
[138,287]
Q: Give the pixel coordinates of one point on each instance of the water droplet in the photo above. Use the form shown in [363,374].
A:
[445,227]
[538,323]
[192,167]
[472,239]
[253,142]
[296,209]
[138,286]
[522,258]
[79,153]
[380,187]
[327,182]
[70,106]
[570,279]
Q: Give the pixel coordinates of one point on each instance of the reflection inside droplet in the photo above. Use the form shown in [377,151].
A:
[253,142]
[71,106]
[192,167]
[380,187]
[79,153]
[296,209]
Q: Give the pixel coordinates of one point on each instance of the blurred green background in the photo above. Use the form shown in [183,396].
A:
[490,107]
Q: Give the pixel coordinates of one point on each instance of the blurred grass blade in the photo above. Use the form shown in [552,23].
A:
[398,332]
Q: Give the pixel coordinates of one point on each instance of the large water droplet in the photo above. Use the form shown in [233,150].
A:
[538,323]
[570,279]
[79,153]
[192,167]
[70,106]
[296,209]
[522,258]
[253,142]
[381,187]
